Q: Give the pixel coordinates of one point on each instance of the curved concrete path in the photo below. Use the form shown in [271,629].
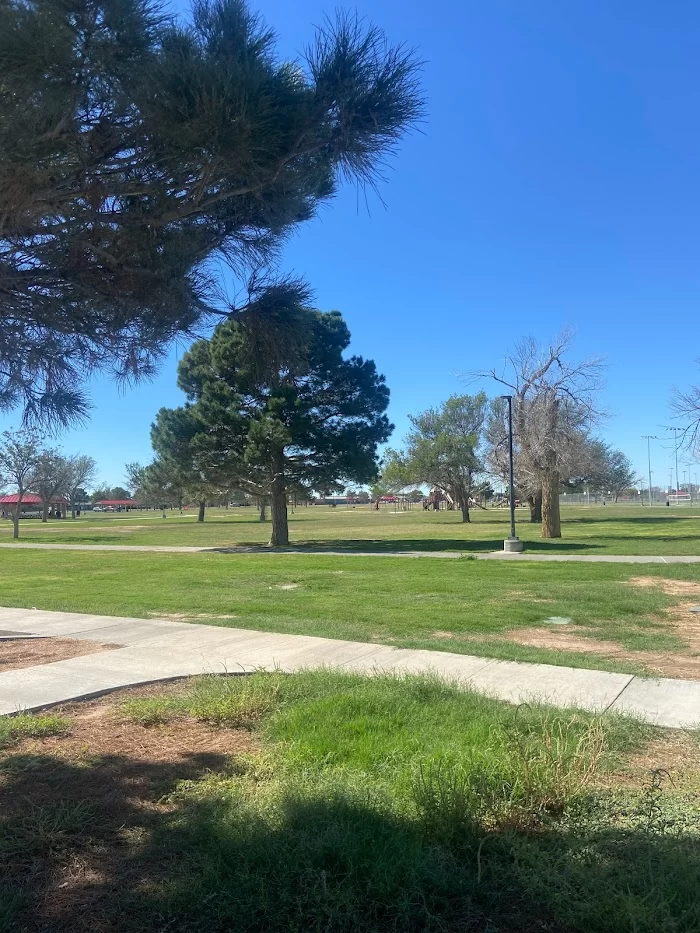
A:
[262,549]
[160,650]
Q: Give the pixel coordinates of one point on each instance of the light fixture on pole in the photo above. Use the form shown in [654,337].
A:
[511,545]
[676,431]
[649,438]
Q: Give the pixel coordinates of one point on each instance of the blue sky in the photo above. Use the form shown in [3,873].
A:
[556,181]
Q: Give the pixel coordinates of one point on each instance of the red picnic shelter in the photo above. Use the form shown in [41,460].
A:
[29,501]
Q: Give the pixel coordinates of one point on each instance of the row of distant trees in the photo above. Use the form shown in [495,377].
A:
[315,423]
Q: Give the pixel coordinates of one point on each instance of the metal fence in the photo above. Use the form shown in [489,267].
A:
[658,498]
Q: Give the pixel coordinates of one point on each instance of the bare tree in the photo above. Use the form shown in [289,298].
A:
[19,454]
[686,405]
[553,403]
[80,472]
[48,478]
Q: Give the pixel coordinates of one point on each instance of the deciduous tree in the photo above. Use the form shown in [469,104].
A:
[80,473]
[48,478]
[19,454]
[554,400]
[442,449]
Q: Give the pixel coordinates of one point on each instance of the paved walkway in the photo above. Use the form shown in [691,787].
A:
[485,555]
[159,650]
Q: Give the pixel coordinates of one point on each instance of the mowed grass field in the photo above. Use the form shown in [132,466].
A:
[622,617]
[613,529]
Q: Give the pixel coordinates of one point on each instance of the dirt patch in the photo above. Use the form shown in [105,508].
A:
[675,755]
[29,652]
[189,616]
[562,641]
[669,587]
[78,812]
[661,663]
[285,586]
[683,623]
[521,595]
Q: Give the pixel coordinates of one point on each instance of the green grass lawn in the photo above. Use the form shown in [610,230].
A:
[454,605]
[368,806]
[611,530]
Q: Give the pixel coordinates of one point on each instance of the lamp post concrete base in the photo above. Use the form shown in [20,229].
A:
[512,545]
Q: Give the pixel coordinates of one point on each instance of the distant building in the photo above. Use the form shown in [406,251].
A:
[31,504]
[118,504]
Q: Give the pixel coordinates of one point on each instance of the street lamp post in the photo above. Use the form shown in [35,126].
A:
[511,545]
[649,438]
[675,445]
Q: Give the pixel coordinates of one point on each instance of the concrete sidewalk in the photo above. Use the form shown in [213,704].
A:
[160,650]
[262,549]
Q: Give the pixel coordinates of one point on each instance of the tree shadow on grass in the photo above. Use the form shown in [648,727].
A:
[632,520]
[398,545]
[88,847]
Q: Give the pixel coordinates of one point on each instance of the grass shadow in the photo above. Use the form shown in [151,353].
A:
[86,848]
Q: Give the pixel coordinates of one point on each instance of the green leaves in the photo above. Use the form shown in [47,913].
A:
[134,148]
[313,421]
[442,450]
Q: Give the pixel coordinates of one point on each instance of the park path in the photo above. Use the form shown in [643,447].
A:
[449,555]
[156,650]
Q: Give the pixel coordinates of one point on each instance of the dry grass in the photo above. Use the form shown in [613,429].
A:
[88,798]
[669,587]
[18,653]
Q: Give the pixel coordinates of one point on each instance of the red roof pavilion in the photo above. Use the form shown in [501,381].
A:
[28,499]
[129,502]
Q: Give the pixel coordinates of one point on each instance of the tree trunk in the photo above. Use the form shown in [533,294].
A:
[551,519]
[72,510]
[278,506]
[44,511]
[15,519]
[535,503]
[202,506]
[461,501]
[262,505]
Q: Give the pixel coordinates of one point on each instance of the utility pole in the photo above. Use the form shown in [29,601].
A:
[511,544]
[676,431]
[649,438]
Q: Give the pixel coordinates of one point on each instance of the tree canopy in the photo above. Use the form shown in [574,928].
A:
[138,153]
[311,424]
[442,449]
[19,455]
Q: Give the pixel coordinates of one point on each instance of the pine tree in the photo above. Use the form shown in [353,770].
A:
[138,152]
[311,425]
